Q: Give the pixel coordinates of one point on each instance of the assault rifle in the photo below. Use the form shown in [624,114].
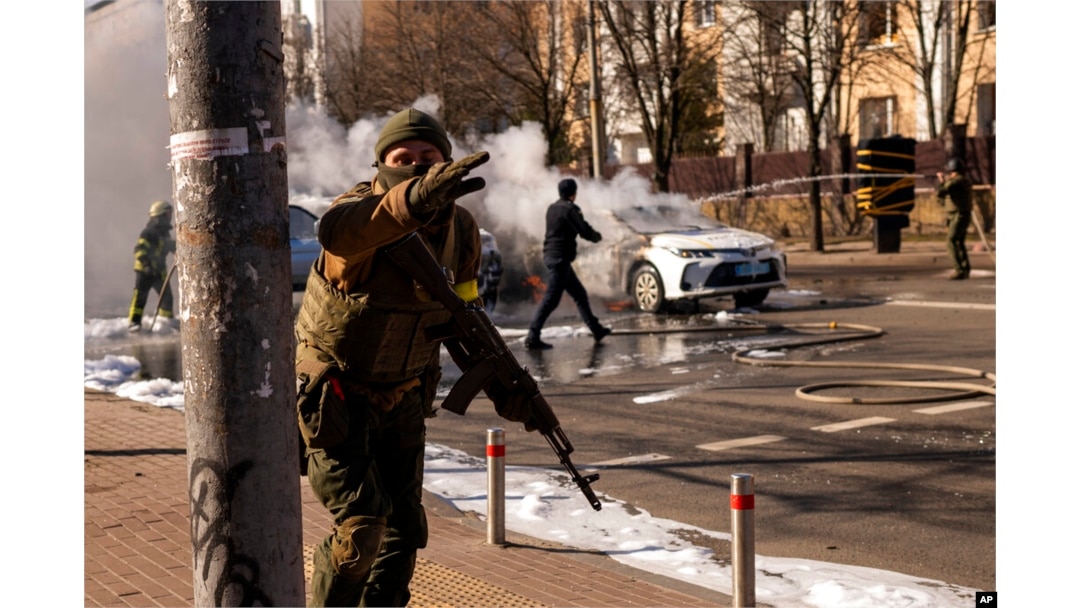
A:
[482,355]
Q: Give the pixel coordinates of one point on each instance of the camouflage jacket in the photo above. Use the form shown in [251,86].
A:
[955,194]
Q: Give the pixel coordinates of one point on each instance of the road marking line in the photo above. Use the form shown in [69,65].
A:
[631,460]
[953,407]
[738,443]
[852,424]
[962,305]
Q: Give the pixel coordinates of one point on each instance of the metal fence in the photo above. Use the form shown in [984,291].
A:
[783,173]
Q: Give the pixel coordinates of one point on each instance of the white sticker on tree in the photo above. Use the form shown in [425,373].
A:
[209,143]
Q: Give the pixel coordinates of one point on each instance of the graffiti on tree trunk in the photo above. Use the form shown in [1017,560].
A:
[210,494]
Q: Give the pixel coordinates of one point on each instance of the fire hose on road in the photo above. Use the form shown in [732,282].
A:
[959,390]
[827,333]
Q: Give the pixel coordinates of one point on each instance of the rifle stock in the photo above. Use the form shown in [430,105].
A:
[477,348]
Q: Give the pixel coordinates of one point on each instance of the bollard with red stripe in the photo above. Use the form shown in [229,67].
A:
[496,487]
[743,590]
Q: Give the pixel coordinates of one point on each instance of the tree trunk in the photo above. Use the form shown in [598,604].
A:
[817,233]
[226,92]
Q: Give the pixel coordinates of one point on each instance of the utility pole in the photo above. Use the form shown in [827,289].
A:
[226,92]
[595,108]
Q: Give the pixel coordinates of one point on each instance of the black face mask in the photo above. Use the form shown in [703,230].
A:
[389,177]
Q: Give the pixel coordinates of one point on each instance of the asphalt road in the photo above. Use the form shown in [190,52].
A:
[906,487]
[899,486]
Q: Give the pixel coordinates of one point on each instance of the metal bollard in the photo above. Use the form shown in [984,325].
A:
[496,487]
[742,541]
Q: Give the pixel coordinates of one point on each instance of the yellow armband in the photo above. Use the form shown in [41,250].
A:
[467,291]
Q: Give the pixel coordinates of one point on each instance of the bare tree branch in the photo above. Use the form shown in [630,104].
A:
[663,71]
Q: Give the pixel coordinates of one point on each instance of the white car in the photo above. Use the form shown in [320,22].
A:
[670,255]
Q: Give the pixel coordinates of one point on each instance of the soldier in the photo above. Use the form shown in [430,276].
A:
[154,245]
[954,186]
[366,375]
[564,224]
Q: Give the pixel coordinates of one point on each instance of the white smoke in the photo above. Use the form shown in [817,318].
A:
[127,131]
[126,134]
[326,159]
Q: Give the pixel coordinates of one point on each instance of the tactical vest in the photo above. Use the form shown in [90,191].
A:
[376,336]
[957,192]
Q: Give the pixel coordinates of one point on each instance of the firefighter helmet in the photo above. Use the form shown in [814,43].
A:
[160,208]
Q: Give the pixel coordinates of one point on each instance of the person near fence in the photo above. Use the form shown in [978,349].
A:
[954,193]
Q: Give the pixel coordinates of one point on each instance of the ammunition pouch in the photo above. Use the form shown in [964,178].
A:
[320,403]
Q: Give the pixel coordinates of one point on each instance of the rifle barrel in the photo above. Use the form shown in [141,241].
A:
[478,335]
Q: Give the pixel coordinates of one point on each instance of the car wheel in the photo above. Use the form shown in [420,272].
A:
[647,290]
[750,298]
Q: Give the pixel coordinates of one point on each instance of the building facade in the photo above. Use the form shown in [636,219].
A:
[893,67]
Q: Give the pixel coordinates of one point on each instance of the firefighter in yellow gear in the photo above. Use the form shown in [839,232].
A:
[151,250]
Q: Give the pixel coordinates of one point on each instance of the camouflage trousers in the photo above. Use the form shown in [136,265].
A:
[376,473]
[958,224]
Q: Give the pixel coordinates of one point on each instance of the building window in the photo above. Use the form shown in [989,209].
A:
[706,12]
[581,34]
[877,117]
[877,25]
[987,15]
[986,109]
[644,155]
[580,102]
[775,37]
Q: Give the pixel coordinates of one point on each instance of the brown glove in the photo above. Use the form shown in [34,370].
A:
[444,183]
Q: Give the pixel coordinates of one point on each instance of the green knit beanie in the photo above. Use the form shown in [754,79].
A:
[412,124]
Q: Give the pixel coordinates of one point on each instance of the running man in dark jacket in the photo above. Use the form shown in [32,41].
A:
[564,224]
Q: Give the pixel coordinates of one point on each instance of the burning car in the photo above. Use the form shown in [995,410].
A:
[666,255]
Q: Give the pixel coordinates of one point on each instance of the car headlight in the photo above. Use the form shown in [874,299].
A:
[690,253]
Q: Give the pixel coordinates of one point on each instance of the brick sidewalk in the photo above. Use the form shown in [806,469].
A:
[138,547]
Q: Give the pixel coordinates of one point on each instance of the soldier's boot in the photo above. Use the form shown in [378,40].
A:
[388,584]
[343,562]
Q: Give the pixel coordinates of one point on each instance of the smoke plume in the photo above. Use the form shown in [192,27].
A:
[127,134]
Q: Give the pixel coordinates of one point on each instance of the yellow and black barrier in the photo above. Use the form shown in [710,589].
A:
[887,191]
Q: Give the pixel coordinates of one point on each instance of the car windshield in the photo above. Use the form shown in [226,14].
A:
[664,218]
